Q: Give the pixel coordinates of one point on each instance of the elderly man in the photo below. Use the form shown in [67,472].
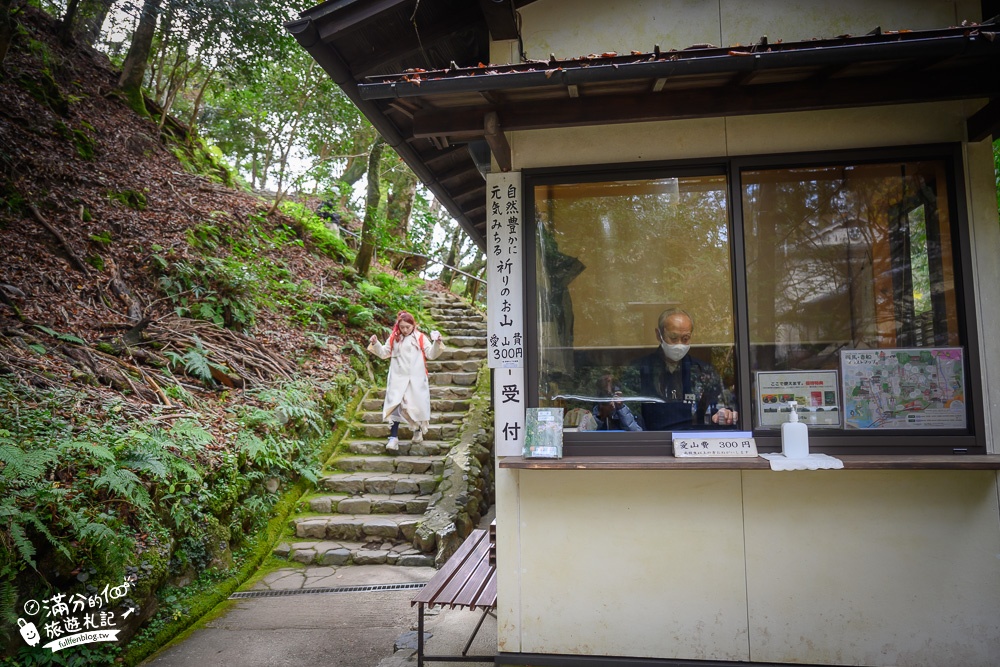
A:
[691,389]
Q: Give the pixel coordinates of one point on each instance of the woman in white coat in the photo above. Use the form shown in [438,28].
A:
[407,390]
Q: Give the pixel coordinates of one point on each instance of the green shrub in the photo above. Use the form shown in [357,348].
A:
[130,198]
[325,239]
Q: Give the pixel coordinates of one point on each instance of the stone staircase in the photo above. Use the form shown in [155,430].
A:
[370,503]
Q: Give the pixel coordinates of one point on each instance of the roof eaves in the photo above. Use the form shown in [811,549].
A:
[667,65]
[305,32]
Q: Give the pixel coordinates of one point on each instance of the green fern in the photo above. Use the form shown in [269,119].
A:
[66,338]
[251,445]
[20,466]
[190,432]
[87,449]
[125,484]
[147,462]
[21,542]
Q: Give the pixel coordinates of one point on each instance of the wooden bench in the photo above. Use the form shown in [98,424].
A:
[468,579]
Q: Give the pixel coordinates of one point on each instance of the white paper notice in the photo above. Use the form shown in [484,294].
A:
[504,249]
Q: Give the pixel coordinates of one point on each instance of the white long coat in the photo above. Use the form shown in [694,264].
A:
[407,386]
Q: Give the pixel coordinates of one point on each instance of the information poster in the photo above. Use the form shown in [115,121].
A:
[815,392]
[505,310]
[904,388]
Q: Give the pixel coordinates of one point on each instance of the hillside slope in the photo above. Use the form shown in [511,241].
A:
[172,359]
[102,178]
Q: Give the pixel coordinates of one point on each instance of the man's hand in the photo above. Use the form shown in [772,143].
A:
[725,417]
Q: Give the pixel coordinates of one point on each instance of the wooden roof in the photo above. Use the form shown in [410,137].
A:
[422,79]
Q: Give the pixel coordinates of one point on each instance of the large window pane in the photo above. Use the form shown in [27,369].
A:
[611,257]
[847,257]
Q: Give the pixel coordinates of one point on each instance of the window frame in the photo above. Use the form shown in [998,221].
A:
[658,443]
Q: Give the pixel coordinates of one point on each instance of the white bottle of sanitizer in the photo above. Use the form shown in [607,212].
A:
[794,436]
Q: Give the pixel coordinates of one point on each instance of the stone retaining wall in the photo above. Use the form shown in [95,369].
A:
[466,491]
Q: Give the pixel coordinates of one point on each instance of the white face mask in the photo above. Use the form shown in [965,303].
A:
[674,352]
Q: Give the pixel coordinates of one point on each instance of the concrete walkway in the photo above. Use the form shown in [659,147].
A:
[349,629]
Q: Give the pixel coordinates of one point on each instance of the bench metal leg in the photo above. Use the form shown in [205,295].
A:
[420,634]
[475,632]
[421,657]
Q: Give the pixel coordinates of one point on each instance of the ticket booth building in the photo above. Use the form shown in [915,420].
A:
[813,186]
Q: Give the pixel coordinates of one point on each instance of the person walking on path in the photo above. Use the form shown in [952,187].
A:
[407,391]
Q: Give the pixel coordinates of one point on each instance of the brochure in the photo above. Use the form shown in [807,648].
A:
[543,436]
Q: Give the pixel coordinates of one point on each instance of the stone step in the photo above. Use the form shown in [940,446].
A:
[445,309]
[467,341]
[462,333]
[437,405]
[460,321]
[381,430]
[358,528]
[442,392]
[377,447]
[374,503]
[331,553]
[463,365]
[456,378]
[399,464]
[436,417]
[388,483]
[461,354]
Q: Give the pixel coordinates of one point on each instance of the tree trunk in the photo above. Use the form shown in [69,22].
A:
[447,275]
[175,84]
[6,28]
[159,58]
[363,262]
[134,67]
[91,20]
[474,269]
[399,203]
[68,19]
[198,100]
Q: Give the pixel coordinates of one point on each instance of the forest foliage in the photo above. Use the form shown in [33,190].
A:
[179,328]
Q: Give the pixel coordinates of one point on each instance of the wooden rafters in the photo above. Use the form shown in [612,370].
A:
[497,140]
[463,124]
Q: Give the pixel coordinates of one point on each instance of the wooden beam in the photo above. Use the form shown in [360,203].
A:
[468,123]
[460,173]
[985,122]
[449,154]
[441,32]
[356,15]
[497,140]
[468,189]
[500,18]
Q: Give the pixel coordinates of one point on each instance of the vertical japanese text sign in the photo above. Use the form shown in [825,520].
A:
[504,247]
[508,411]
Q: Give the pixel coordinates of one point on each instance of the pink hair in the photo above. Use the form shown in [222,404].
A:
[396,333]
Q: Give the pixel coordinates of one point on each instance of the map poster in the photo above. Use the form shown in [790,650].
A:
[815,392]
[904,388]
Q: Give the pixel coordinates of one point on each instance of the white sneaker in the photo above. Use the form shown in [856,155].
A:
[418,436]
[392,445]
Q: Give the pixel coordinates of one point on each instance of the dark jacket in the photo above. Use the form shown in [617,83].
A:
[692,393]
[620,420]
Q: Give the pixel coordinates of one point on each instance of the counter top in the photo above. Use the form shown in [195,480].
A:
[851,462]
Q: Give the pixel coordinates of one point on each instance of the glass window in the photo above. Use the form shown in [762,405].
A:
[855,257]
[621,267]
